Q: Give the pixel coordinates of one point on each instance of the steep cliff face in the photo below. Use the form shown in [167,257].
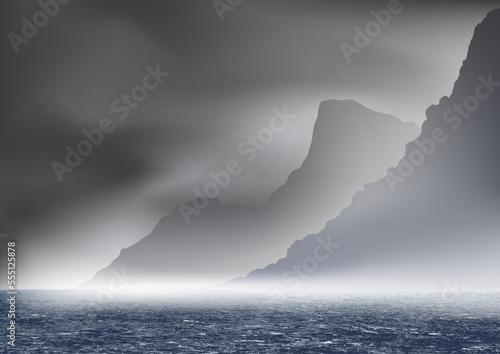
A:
[435,216]
[351,145]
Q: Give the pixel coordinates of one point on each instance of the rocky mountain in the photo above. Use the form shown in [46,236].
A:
[351,145]
[433,218]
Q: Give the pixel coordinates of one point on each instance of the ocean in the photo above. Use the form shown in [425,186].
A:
[73,322]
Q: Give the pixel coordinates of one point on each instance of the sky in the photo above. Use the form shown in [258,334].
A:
[225,77]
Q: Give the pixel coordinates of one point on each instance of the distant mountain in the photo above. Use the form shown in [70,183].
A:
[351,145]
[435,217]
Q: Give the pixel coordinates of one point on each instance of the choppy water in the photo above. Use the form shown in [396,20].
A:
[65,322]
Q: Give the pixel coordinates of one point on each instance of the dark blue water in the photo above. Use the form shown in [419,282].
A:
[65,322]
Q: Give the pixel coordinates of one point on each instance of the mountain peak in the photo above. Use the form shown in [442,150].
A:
[351,145]
[444,209]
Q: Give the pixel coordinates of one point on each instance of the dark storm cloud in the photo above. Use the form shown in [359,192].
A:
[38,124]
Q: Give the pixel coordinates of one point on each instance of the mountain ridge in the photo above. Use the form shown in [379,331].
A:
[427,225]
[256,229]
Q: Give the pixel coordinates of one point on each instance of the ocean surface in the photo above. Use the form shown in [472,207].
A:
[74,322]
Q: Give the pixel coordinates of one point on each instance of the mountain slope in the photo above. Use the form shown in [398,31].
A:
[351,146]
[433,218]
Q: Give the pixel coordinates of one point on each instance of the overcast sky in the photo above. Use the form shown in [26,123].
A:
[225,79]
